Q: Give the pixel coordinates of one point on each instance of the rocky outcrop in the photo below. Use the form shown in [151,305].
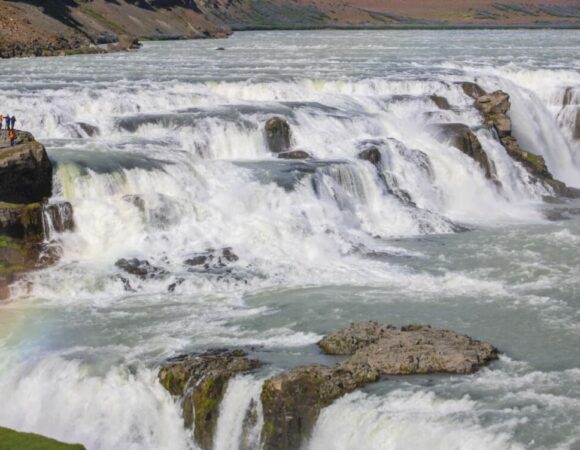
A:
[419,349]
[292,401]
[25,170]
[462,138]
[441,102]
[494,108]
[277,132]
[372,155]
[89,130]
[200,381]
[294,154]
[27,220]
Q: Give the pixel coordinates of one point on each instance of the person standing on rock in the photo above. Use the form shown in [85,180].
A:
[12,136]
[7,119]
[12,122]
[1,121]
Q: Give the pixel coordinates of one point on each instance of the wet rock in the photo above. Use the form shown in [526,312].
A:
[576,132]
[292,401]
[125,43]
[441,102]
[201,381]
[89,130]
[372,155]
[494,108]
[354,337]
[60,216]
[140,268]
[22,221]
[465,140]
[559,214]
[294,154]
[472,90]
[220,48]
[212,258]
[535,164]
[25,170]
[277,135]
[420,349]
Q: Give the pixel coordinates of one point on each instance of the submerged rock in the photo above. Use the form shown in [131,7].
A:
[201,381]
[294,154]
[278,134]
[90,130]
[372,155]
[61,216]
[140,268]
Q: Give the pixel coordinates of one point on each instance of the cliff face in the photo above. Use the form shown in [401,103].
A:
[37,27]
[25,214]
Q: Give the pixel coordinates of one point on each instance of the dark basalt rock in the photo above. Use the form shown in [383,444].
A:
[140,268]
[294,154]
[465,140]
[372,155]
[25,170]
[441,102]
[576,132]
[277,135]
[61,216]
[22,221]
[201,381]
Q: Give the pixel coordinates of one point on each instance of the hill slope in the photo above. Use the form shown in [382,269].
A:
[29,27]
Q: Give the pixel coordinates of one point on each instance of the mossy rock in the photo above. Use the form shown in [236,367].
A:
[14,440]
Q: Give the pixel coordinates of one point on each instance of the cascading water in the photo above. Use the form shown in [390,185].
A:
[162,155]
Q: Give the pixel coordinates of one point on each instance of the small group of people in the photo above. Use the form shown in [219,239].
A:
[10,121]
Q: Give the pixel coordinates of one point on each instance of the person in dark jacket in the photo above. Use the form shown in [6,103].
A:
[12,122]
[7,119]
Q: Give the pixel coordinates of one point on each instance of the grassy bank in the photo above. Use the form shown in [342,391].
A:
[13,440]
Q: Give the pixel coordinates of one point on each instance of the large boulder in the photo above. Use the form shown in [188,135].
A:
[22,221]
[292,400]
[277,135]
[25,170]
[201,381]
[420,349]
[462,138]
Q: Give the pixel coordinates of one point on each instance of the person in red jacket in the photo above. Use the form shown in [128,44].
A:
[12,136]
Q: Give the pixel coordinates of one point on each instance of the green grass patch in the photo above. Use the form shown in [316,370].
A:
[100,18]
[13,440]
